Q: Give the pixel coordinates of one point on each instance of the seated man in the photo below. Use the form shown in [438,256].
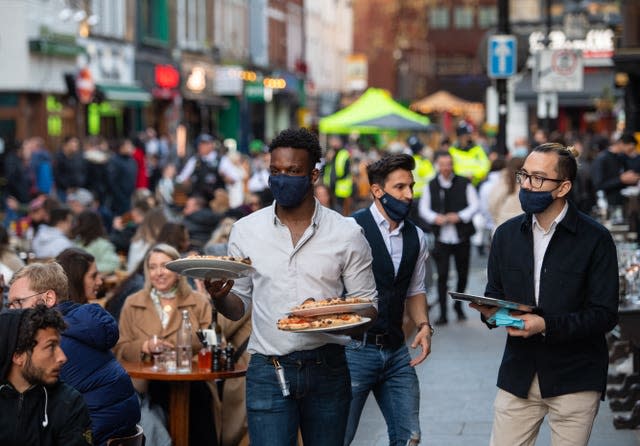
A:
[91,367]
[53,237]
[36,408]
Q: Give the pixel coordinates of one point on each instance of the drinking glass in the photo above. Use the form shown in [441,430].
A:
[156,347]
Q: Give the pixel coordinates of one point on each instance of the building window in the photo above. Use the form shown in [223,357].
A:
[294,35]
[230,27]
[463,17]
[487,16]
[153,22]
[439,18]
[111,16]
[191,23]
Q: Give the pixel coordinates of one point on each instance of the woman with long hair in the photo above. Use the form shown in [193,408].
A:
[89,234]
[503,198]
[145,236]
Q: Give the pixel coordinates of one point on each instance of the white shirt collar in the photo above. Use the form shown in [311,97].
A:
[315,218]
[558,219]
[381,221]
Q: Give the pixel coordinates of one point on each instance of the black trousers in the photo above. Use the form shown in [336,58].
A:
[441,254]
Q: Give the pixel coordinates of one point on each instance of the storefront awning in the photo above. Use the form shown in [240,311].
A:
[125,93]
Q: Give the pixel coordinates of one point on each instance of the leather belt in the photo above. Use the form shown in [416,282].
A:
[383,340]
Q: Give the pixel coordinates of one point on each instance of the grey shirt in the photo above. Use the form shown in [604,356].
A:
[332,256]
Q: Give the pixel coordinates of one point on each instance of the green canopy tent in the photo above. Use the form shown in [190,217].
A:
[374,112]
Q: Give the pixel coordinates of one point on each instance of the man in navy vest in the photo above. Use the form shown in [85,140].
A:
[379,360]
[448,204]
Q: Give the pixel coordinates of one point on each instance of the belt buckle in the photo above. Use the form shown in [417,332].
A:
[381,339]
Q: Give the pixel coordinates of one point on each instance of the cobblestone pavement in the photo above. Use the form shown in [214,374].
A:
[458,387]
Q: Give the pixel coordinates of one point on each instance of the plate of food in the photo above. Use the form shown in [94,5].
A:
[313,307]
[212,267]
[323,323]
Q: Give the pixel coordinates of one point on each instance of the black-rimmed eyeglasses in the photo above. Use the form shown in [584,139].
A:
[536,181]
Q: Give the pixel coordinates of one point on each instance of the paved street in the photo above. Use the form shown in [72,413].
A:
[458,387]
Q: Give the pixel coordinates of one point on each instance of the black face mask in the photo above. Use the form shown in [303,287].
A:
[535,202]
[397,210]
[289,190]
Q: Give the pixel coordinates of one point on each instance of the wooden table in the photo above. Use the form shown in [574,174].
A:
[178,392]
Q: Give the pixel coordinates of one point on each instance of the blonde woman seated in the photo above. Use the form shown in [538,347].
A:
[157,310]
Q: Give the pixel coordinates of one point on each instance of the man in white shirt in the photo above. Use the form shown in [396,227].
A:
[299,249]
[448,205]
[379,360]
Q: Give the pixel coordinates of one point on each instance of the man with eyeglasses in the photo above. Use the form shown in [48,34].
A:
[37,283]
[564,263]
[37,409]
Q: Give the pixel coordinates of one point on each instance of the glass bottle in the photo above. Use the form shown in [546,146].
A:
[184,346]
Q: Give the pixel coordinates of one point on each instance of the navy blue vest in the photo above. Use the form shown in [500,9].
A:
[392,289]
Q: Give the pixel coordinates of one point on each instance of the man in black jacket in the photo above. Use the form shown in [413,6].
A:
[564,263]
[37,409]
[610,171]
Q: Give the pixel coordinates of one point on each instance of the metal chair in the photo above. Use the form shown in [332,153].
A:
[134,440]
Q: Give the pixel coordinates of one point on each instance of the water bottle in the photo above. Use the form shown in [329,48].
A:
[185,353]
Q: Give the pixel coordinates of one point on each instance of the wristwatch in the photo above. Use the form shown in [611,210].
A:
[422,324]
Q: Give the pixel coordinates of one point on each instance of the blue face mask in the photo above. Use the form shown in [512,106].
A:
[535,202]
[289,190]
[397,210]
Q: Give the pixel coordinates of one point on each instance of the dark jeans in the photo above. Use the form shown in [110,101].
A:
[441,254]
[318,404]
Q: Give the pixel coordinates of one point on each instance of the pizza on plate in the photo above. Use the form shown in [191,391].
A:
[313,303]
[245,260]
[324,321]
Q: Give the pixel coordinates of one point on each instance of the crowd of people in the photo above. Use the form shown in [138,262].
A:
[125,209]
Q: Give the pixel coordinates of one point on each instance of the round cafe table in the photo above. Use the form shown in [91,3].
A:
[178,392]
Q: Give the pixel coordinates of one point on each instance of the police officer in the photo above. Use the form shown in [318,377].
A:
[469,158]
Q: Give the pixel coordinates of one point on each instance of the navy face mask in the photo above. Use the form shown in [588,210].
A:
[535,202]
[289,190]
[397,210]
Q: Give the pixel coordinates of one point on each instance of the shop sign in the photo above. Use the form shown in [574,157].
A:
[598,43]
[109,62]
[166,76]
[254,91]
[55,44]
[227,80]
[558,70]
[197,80]
[167,80]
[85,86]
[357,72]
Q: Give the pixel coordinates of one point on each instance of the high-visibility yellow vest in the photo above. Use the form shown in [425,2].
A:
[472,163]
[326,177]
[344,182]
[422,174]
